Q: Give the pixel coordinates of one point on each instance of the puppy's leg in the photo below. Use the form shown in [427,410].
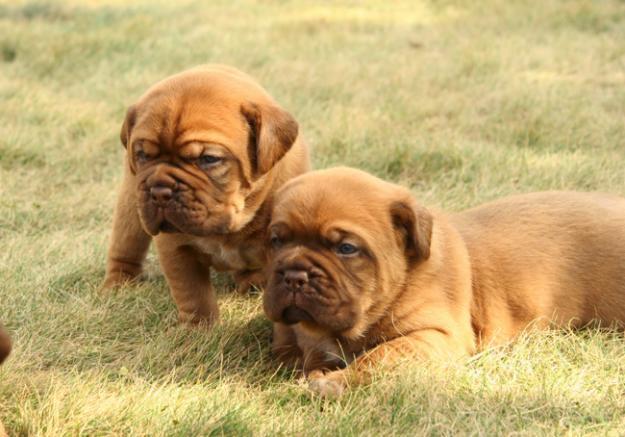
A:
[129,242]
[424,344]
[189,282]
[284,346]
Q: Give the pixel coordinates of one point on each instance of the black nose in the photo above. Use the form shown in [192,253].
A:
[161,194]
[295,279]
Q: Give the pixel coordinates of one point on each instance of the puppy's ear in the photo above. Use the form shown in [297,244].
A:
[124,135]
[413,225]
[272,133]
[129,122]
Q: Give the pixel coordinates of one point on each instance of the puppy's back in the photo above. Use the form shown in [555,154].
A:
[557,256]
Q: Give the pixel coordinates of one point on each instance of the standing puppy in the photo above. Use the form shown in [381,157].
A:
[362,275]
[206,149]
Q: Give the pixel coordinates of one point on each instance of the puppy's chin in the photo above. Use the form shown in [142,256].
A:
[152,220]
[292,315]
[168,228]
[343,328]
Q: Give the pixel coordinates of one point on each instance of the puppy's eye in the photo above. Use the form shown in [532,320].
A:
[209,160]
[275,241]
[346,249]
[141,156]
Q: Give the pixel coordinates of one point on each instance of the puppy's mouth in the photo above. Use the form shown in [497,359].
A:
[168,228]
[293,314]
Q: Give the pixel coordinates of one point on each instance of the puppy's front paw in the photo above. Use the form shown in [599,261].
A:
[330,385]
[203,320]
[116,280]
[248,281]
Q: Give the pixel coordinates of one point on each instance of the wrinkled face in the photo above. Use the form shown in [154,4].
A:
[336,251]
[197,187]
[195,190]
[320,276]
[200,144]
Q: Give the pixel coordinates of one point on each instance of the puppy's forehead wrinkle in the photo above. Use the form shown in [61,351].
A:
[344,194]
[184,112]
[148,124]
[312,220]
[186,176]
[343,183]
[177,128]
[315,206]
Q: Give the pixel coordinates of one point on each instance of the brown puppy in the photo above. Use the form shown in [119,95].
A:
[206,149]
[362,275]
[5,344]
[5,349]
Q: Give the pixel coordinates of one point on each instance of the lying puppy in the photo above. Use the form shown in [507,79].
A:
[5,349]
[362,275]
[206,149]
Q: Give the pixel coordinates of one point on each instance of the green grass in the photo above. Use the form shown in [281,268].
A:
[462,101]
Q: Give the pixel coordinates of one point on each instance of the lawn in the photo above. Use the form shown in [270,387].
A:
[462,101]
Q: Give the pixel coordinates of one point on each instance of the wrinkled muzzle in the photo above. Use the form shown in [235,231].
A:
[171,201]
[301,290]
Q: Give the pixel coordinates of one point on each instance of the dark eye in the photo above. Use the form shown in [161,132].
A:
[209,160]
[346,249]
[275,242]
[141,156]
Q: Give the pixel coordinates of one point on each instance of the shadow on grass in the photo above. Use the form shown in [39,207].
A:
[50,11]
[134,331]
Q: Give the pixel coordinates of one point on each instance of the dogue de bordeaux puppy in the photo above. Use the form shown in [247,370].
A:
[363,275]
[205,151]
[5,349]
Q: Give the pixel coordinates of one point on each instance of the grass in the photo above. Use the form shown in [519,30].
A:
[462,101]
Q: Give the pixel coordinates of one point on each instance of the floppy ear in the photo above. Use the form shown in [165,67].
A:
[129,122]
[124,135]
[413,224]
[272,133]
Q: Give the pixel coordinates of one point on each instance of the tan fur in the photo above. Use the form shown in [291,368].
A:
[427,284]
[214,214]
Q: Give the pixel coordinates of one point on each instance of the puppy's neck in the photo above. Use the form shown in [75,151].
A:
[257,200]
[433,292]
